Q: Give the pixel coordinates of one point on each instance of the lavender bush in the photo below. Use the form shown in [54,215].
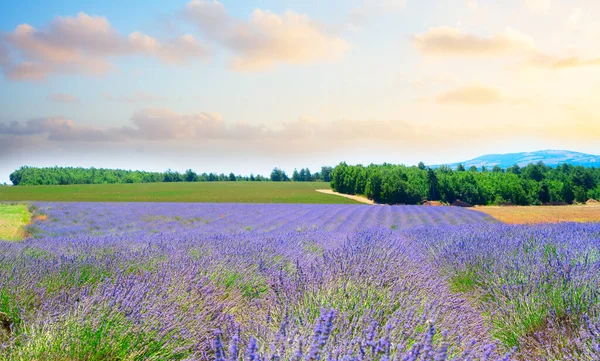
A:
[536,286]
[295,282]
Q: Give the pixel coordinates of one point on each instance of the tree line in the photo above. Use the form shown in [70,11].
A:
[534,184]
[78,175]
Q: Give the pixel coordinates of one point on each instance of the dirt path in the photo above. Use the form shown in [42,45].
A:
[356,198]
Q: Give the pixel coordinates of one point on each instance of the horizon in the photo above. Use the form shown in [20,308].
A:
[244,87]
[318,169]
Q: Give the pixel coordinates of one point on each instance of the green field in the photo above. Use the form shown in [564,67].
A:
[13,217]
[218,192]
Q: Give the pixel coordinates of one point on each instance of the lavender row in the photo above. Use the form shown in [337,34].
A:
[72,219]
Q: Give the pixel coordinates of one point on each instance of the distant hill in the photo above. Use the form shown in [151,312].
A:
[549,157]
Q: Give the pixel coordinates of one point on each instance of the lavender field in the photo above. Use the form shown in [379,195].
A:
[150,281]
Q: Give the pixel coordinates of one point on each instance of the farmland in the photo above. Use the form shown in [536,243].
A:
[229,192]
[150,281]
[544,214]
[13,217]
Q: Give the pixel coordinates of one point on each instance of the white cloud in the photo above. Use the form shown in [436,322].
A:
[83,44]
[266,39]
[177,50]
[162,124]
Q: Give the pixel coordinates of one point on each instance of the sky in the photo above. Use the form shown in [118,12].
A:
[246,86]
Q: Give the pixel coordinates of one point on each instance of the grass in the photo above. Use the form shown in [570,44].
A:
[464,281]
[107,337]
[249,285]
[13,219]
[217,192]
[543,214]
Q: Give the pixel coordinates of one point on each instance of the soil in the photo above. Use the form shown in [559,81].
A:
[354,197]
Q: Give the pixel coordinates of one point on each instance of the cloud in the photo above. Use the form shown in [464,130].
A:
[558,63]
[32,126]
[170,135]
[155,124]
[449,41]
[574,62]
[83,44]
[58,129]
[165,124]
[538,6]
[209,16]
[151,124]
[475,95]
[265,39]
[452,42]
[175,51]
[138,97]
[63,98]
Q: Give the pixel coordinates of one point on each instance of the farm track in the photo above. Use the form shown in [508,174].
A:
[361,199]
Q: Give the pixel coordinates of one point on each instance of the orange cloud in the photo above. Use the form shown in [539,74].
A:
[265,39]
[449,41]
[558,63]
[476,95]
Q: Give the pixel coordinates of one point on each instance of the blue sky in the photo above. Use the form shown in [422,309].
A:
[245,86]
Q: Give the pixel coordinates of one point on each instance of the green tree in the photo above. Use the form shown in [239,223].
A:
[296,175]
[326,174]
[190,176]
[432,180]
[278,175]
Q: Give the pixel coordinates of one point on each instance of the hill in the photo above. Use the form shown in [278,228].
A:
[548,157]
